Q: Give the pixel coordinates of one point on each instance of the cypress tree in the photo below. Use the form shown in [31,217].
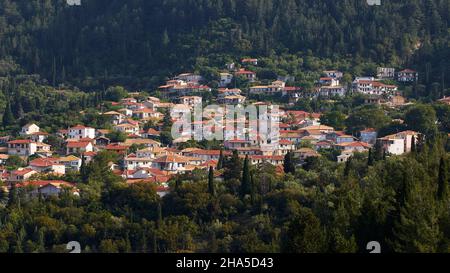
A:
[370,159]
[211,188]
[413,144]
[84,172]
[347,167]
[289,166]
[245,186]
[220,162]
[159,216]
[378,151]
[252,189]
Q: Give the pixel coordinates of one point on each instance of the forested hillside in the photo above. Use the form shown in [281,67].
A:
[114,40]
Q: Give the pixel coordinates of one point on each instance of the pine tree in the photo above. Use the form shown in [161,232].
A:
[245,183]
[211,188]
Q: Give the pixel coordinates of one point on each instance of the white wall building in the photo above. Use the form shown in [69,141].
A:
[80,131]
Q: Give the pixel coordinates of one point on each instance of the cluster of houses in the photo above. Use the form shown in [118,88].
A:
[145,159]
[300,134]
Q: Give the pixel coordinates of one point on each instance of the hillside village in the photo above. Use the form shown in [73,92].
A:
[140,122]
[224,126]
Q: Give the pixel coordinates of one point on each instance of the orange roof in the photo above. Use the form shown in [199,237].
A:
[267,157]
[21,141]
[22,172]
[355,144]
[116,146]
[210,152]
[43,162]
[77,144]
[43,183]
[152,131]
[171,158]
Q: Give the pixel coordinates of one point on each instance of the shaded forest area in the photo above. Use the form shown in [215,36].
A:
[103,42]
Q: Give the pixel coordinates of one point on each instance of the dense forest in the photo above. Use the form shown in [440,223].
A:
[401,202]
[120,41]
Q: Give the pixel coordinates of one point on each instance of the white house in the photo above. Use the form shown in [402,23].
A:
[21,174]
[29,129]
[116,117]
[127,128]
[399,143]
[370,86]
[332,91]
[134,163]
[22,147]
[80,131]
[47,188]
[407,75]
[78,147]
[71,162]
[47,165]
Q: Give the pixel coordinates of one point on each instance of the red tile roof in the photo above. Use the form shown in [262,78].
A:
[21,141]
[77,144]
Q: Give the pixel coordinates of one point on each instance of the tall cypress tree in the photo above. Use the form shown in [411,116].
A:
[84,172]
[245,185]
[252,189]
[370,158]
[220,162]
[348,166]
[413,144]
[211,188]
